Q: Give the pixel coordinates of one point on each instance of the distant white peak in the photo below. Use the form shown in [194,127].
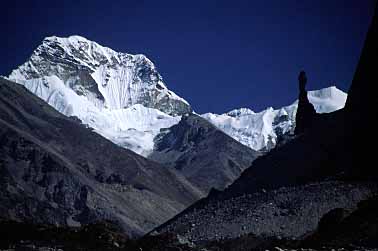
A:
[269,109]
[261,130]
[240,112]
[73,38]
[282,112]
[327,99]
[328,92]
[121,96]
[91,50]
[79,50]
[105,77]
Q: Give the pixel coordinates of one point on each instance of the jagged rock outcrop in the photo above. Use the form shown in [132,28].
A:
[305,113]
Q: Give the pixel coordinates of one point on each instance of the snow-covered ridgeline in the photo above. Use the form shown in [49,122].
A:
[108,78]
[133,127]
[121,96]
[259,131]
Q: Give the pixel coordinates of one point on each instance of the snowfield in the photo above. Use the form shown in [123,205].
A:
[123,97]
[259,131]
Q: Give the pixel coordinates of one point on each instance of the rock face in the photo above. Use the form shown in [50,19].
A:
[206,156]
[361,107]
[107,78]
[305,113]
[55,170]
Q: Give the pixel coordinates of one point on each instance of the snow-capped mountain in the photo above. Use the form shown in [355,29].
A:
[68,175]
[327,100]
[260,130]
[119,95]
[123,97]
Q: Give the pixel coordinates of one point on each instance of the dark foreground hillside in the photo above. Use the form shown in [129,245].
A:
[340,229]
[56,171]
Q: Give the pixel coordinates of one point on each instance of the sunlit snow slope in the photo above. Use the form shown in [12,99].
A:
[123,97]
[119,95]
[260,130]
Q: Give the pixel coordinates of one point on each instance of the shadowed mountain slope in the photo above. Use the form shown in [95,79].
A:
[205,155]
[55,170]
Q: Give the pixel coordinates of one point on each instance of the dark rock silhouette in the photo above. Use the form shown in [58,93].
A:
[361,109]
[306,112]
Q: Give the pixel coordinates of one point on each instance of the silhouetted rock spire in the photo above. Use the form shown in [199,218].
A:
[305,112]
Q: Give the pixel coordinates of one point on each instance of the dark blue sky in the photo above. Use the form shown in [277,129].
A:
[218,55]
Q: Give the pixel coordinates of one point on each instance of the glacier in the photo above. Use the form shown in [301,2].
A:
[107,78]
[124,98]
[121,96]
[261,130]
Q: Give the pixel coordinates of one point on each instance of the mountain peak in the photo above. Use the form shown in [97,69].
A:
[69,38]
[240,112]
[328,99]
[260,131]
[105,77]
[327,92]
[73,40]
[81,78]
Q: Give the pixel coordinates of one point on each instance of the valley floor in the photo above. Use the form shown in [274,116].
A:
[356,231]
